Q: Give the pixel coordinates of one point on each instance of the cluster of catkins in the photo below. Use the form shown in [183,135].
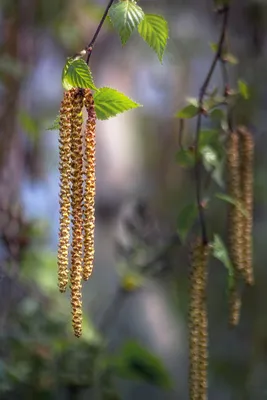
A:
[77,197]
[240,151]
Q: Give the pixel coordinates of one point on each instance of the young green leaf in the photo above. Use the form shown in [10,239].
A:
[186,219]
[213,164]
[77,74]
[125,16]
[243,89]
[189,111]
[185,158]
[55,125]
[221,253]
[230,58]
[109,102]
[231,200]
[207,137]
[136,363]
[154,30]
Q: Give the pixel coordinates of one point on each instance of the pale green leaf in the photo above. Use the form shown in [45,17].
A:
[125,16]
[77,74]
[243,89]
[186,219]
[221,253]
[154,30]
[109,102]
[55,125]
[189,111]
[213,164]
[231,200]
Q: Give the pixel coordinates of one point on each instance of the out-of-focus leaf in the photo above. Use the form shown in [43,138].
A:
[109,102]
[154,30]
[29,124]
[186,219]
[185,158]
[125,16]
[189,111]
[136,363]
[231,200]
[230,58]
[221,253]
[207,137]
[217,114]
[213,164]
[243,89]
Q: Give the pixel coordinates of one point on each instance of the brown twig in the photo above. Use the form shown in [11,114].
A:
[202,93]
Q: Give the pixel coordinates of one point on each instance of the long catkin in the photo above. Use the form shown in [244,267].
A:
[198,323]
[90,189]
[65,187]
[247,155]
[77,214]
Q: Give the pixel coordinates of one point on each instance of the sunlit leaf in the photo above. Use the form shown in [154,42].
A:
[213,164]
[154,30]
[136,363]
[125,16]
[189,111]
[243,89]
[109,102]
[77,74]
[186,219]
[221,253]
[231,200]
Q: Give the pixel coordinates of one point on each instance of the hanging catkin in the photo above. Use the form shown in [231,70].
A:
[234,303]
[65,187]
[90,178]
[77,213]
[247,154]
[198,323]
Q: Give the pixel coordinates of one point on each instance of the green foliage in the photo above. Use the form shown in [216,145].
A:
[77,74]
[125,16]
[221,253]
[185,158]
[186,219]
[154,30]
[213,163]
[29,124]
[231,200]
[136,363]
[109,102]
[243,89]
[189,111]
[55,125]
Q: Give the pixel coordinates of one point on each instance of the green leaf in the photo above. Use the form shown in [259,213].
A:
[217,114]
[125,16]
[189,111]
[233,201]
[55,125]
[109,102]
[186,219]
[76,74]
[213,164]
[230,58]
[29,124]
[154,30]
[207,137]
[243,89]
[137,363]
[221,253]
[185,158]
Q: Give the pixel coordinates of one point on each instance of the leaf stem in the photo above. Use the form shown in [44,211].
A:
[90,46]
[202,93]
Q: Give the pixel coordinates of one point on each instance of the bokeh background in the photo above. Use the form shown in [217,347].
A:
[135,337]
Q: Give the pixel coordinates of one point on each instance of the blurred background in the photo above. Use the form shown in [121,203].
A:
[135,306]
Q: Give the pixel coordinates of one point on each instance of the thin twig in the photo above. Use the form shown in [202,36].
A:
[202,92]
[90,46]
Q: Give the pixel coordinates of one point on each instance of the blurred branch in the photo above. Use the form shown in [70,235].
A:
[202,93]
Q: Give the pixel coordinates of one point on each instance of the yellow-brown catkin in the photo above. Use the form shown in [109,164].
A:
[235,215]
[77,214]
[89,196]
[65,187]
[247,155]
[198,323]
[234,304]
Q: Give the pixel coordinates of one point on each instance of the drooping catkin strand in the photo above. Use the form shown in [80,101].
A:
[235,222]
[234,303]
[198,323]
[247,155]
[65,187]
[77,214]
[90,178]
